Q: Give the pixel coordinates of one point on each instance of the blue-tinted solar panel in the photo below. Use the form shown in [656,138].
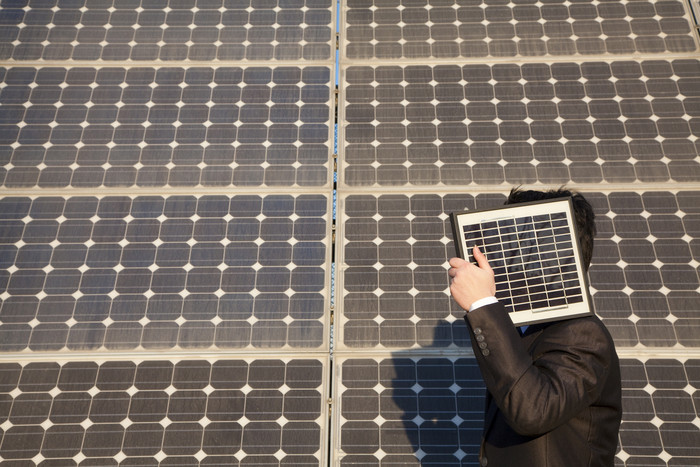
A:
[171,104]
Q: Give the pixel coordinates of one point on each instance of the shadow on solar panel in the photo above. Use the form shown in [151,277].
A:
[535,256]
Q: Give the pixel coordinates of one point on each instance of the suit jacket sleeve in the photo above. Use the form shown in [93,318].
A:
[540,392]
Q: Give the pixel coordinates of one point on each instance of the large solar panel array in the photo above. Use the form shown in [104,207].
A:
[167,220]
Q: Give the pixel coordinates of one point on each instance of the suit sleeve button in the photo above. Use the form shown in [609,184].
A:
[480,338]
[477,331]
[482,345]
[485,352]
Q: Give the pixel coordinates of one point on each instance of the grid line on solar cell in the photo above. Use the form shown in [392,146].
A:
[590,122]
[201,30]
[172,126]
[532,259]
[420,30]
[153,272]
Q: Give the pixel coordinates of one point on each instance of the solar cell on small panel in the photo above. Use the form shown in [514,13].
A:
[534,254]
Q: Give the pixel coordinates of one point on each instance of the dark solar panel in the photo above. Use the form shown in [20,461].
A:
[215,118]
[533,251]
[154,272]
[492,124]
[165,127]
[172,412]
[423,30]
[394,284]
[200,30]
[417,410]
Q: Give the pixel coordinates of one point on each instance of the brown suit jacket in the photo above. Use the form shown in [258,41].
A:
[554,394]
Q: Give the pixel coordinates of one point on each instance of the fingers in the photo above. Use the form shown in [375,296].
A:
[457,262]
[481,259]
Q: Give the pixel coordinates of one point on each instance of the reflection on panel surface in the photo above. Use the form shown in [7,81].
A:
[153,272]
[394,273]
[590,122]
[403,410]
[165,30]
[210,127]
[383,29]
[163,412]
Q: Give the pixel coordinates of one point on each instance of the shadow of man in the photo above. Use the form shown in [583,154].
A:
[439,401]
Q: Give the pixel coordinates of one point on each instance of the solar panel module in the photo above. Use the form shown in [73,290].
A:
[535,256]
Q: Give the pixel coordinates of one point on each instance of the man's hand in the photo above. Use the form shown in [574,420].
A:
[471,282]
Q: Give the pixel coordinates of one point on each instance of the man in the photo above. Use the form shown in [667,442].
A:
[554,395]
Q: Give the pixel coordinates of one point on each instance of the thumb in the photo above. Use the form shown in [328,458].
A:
[481,259]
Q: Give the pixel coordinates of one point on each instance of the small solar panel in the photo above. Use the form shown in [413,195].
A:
[534,253]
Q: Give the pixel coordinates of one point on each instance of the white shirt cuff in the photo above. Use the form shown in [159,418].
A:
[483,302]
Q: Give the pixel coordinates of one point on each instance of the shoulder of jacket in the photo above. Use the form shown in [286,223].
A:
[586,322]
[588,329]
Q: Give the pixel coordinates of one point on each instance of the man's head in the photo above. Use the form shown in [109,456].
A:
[583,211]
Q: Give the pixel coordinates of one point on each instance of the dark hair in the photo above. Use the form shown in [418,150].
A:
[583,211]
